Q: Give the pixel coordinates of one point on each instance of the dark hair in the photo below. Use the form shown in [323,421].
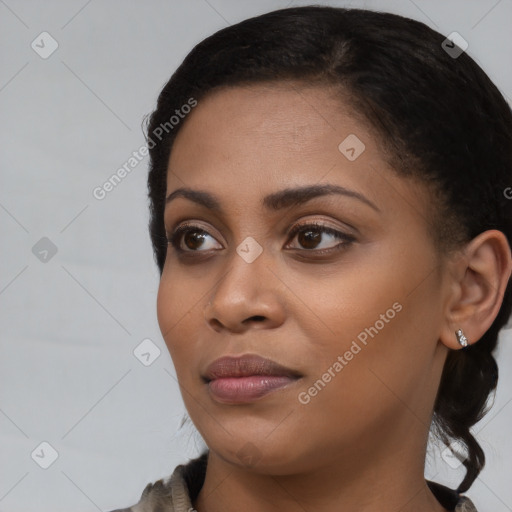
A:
[438,118]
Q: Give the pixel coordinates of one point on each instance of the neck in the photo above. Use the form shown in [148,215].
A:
[230,491]
[364,480]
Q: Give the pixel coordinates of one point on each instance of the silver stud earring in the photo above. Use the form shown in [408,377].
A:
[461,338]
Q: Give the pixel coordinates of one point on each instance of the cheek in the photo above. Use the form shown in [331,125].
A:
[381,320]
[178,296]
[173,312]
[387,361]
[345,305]
[180,314]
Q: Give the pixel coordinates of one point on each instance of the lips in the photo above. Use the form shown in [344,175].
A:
[246,379]
[246,366]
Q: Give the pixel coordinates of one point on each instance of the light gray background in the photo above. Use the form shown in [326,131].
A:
[70,325]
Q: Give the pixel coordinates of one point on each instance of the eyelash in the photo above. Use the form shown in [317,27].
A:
[175,238]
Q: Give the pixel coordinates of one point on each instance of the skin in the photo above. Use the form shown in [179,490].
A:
[360,442]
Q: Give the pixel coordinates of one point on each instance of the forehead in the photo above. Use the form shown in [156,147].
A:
[244,143]
[268,131]
[294,114]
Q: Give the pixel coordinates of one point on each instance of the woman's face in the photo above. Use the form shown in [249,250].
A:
[357,316]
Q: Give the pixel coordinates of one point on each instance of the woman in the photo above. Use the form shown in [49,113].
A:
[329,215]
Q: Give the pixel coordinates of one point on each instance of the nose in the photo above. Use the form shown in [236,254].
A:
[248,295]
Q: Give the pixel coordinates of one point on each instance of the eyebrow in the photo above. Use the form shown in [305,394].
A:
[275,201]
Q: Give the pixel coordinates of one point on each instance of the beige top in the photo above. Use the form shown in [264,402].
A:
[176,492]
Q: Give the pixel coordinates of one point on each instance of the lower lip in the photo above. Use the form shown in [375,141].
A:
[236,390]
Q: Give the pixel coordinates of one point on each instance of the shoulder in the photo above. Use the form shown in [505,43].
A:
[158,496]
[173,493]
[154,497]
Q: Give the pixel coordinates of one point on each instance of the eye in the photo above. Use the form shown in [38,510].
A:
[193,237]
[310,236]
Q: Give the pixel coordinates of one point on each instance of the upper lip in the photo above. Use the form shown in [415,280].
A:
[244,366]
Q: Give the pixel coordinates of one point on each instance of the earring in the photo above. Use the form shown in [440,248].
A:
[461,338]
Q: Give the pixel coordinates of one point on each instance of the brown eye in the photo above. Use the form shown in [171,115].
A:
[311,235]
[190,238]
[193,238]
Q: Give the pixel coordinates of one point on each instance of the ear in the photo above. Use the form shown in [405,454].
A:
[478,278]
